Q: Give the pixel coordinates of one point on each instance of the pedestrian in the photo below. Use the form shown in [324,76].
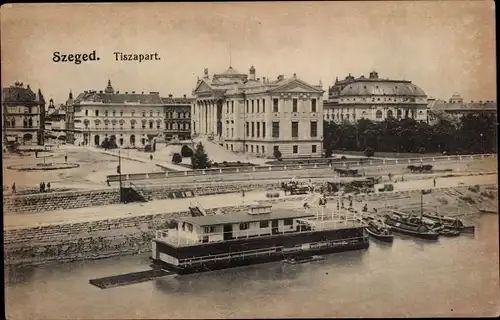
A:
[390,176]
[43,186]
[107,181]
[65,158]
[242,193]
[36,154]
[434,180]
[151,157]
[48,187]
[14,187]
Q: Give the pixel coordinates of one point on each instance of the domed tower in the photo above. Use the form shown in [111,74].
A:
[456,98]
[109,89]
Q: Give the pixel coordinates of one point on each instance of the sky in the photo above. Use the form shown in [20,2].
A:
[441,46]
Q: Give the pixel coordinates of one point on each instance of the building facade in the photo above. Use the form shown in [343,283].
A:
[247,114]
[375,99]
[23,115]
[132,119]
[55,124]
[177,117]
[455,108]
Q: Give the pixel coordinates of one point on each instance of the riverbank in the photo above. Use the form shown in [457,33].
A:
[125,232]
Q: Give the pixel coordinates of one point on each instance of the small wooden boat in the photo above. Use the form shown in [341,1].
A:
[409,227]
[382,234]
[448,232]
[451,223]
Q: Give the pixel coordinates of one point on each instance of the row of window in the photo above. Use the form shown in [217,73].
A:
[385,99]
[182,115]
[27,123]
[259,105]
[295,129]
[178,126]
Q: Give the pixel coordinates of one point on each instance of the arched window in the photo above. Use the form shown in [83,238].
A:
[97,122]
[378,114]
[106,122]
[122,122]
[25,123]
[105,113]
[113,122]
[151,123]
[389,113]
[13,123]
[398,114]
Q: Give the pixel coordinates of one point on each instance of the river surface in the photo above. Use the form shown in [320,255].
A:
[411,277]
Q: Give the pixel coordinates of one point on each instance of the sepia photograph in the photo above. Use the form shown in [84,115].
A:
[302,159]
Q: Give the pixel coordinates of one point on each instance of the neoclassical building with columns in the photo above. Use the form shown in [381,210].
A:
[375,99]
[259,115]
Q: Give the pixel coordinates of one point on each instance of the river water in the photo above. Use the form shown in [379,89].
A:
[411,277]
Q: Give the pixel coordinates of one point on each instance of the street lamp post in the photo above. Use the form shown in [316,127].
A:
[482,143]
[120,174]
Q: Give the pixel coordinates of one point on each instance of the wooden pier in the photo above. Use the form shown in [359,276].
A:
[128,278]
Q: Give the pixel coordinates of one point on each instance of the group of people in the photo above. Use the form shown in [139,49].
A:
[44,187]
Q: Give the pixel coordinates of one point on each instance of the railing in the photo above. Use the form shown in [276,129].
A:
[311,166]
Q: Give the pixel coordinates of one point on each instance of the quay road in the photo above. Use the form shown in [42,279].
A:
[27,220]
[466,164]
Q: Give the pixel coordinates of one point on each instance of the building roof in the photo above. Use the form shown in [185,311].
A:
[242,217]
[177,100]
[231,82]
[380,87]
[472,106]
[18,93]
[119,98]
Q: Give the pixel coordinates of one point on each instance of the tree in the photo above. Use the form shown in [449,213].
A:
[277,154]
[200,160]
[176,158]
[105,143]
[186,151]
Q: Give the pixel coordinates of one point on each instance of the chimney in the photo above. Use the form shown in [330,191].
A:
[184,96]
[263,79]
[117,92]
[126,92]
[133,91]
[100,91]
[295,75]
[280,77]
[170,96]
[142,92]
[252,73]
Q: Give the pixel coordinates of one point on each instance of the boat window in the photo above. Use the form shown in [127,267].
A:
[244,226]
[288,222]
[209,229]
[264,224]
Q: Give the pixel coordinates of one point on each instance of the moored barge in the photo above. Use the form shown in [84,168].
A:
[212,242]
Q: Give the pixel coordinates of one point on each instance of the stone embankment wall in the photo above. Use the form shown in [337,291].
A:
[90,240]
[80,199]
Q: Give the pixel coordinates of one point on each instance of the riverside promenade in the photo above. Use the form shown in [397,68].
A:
[29,220]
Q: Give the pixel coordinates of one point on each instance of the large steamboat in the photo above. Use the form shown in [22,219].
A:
[210,242]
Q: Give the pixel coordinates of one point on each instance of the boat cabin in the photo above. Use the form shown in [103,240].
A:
[259,221]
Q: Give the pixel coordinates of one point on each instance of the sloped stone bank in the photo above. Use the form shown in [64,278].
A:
[81,199]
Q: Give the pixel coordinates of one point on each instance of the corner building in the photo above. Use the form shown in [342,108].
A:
[134,119]
[245,114]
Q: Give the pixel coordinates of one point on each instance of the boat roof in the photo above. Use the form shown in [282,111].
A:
[242,217]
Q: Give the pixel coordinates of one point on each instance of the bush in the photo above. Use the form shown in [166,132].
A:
[277,154]
[369,152]
[343,158]
[474,188]
[215,165]
[468,199]
[421,150]
[176,158]
[200,160]
[147,148]
[186,152]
